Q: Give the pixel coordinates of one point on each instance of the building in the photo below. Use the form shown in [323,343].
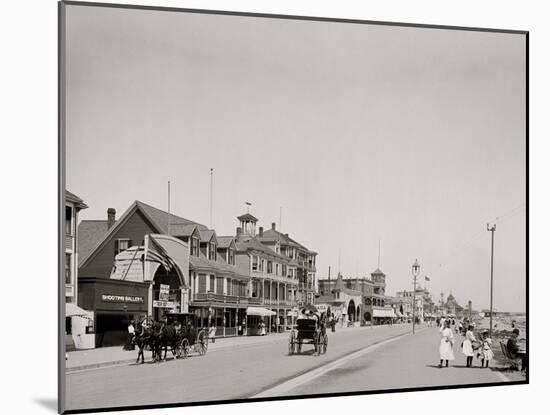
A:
[343,298]
[73,205]
[206,282]
[425,307]
[273,283]
[372,307]
[76,319]
[301,262]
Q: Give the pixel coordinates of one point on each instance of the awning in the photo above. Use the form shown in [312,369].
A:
[383,313]
[259,311]
[72,310]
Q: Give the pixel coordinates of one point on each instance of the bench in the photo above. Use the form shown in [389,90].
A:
[515,362]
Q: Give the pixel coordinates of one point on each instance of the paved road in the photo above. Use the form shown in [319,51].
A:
[245,371]
[408,362]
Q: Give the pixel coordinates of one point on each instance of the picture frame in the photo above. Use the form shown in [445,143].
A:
[221,317]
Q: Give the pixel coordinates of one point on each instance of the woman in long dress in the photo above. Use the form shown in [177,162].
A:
[467,346]
[446,345]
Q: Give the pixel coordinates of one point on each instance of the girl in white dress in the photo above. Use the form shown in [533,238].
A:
[467,347]
[446,345]
[486,351]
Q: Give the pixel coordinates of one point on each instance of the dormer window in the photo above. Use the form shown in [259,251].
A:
[231,256]
[212,251]
[194,246]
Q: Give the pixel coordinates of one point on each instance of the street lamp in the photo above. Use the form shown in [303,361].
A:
[415,272]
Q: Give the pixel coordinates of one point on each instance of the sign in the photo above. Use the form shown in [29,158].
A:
[322,308]
[111,298]
[164,304]
[164,292]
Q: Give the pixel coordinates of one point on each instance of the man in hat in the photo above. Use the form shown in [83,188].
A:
[514,349]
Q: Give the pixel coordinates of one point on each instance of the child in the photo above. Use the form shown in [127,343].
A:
[486,351]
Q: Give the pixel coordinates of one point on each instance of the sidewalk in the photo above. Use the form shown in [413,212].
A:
[109,356]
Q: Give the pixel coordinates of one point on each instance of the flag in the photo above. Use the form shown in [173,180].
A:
[426,278]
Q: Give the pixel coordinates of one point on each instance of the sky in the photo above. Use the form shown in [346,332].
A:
[359,134]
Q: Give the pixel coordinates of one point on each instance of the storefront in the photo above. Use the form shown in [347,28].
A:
[255,316]
[114,304]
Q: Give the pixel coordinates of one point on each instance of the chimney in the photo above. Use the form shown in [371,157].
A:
[273,225]
[239,230]
[286,234]
[111,214]
[261,231]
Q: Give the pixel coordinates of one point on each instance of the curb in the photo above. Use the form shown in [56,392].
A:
[98,365]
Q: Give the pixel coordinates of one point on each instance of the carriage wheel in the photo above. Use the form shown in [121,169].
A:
[183,349]
[291,343]
[324,344]
[202,343]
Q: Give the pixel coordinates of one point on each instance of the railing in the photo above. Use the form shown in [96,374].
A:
[221,298]
[230,299]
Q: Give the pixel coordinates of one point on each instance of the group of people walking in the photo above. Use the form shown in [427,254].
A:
[470,346]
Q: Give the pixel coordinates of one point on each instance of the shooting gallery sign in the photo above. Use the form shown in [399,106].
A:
[112,298]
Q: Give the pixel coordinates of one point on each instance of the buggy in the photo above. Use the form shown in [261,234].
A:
[189,337]
[310,328]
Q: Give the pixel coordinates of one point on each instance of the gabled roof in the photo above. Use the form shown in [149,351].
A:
[162,219]
[251,243]
[77,201]
[207,235]
[225,241]
[377,271]
[157,218]
[272,235]
[184,230]
[90,233]
[247,216]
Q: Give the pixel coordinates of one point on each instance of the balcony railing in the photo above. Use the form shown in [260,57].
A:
[220,298]
[231,299]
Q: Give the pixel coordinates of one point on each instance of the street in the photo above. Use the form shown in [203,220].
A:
[384,357]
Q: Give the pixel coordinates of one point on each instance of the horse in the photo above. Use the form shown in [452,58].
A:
[143,338]
[168,338]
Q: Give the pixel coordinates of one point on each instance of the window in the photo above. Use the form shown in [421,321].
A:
[269,267]
[202,283]
[219,285]
[212,283]
[254,263]
[195,246]
[283,270]
[68,276]
[121,245]
[212,251]
[68,220]
[276,269]
[232,257]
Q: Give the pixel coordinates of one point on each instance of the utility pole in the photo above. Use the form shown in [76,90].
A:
[492,230]
[169,207]
[211,193]
[415,272]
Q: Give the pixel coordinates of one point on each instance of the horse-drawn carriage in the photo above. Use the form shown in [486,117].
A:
[179,333]
[310,328]
[189,337]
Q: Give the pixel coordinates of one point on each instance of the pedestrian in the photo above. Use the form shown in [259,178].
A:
[467,346]
[514,350]
[446,345]
[130,345]
[486,351]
